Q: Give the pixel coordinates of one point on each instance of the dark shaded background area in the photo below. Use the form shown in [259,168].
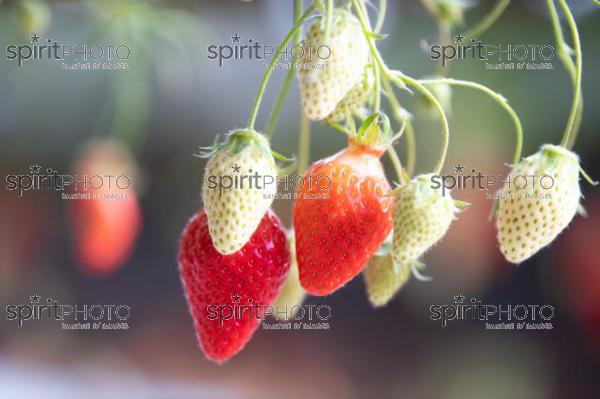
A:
[174,99]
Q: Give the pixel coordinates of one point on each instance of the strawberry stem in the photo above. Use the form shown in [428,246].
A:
[403,117]
[289,77]
[445,128]
[380,16]
[487,21]
[304,145]
[363,18]
[270,68]
[496,97]
[396,162]
[399,78]
[564,54]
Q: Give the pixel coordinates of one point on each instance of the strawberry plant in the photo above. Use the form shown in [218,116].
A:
[357,222]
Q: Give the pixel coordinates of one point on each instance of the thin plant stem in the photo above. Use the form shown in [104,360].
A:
[381,15]
[396,163]
[289,77]
[399,78]
[405,121]
[274,118]
[578,64]
[445,127]
[269,71]
[496,97]
[304,145]
[564,55]
[488,20]
[411,148]
[361,12]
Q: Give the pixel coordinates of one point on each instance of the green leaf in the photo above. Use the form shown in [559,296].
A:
[376,36]
[367,125]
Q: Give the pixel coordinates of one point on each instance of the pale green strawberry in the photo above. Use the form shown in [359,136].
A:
[325,82]
[292,294]
[234,210]
[422,216]
[355,98]
[384,278]
[540,199]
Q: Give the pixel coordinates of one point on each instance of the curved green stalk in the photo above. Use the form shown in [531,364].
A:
[269,71]
[304,145]
[399,78]
[488,20]
[381,15]
[288,77]
[563,52]
[365,24]
[411,148]
[396,162]
[405,121]
[328,20]
[444,30]
[445,128]
[496,97]
[285,86]
[578,64]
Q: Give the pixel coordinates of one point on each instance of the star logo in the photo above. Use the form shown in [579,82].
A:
[35,169]
[459,298]
[459,38]
[35,298]
[35,38]
[459,168]
[236,298]
[235,38]
[236,168]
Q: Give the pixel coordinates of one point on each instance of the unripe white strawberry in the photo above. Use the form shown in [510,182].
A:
[541,197]
[422,215]
[384,278]
[292,294]
[325,82]
[355,98]
[238,188]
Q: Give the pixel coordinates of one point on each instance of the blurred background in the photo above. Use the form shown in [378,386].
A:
[172,99]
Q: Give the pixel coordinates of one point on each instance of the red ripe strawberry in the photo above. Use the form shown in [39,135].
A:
[339,232]
[106,225]
[226,293]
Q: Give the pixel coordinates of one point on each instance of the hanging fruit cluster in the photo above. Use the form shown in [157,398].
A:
[235,254]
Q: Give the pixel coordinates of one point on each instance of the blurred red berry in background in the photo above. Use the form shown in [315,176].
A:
[578,268]
[107,221]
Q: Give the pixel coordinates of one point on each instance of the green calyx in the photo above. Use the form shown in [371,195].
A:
[236,141]
[553,155]
[375,132]
[239,139]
